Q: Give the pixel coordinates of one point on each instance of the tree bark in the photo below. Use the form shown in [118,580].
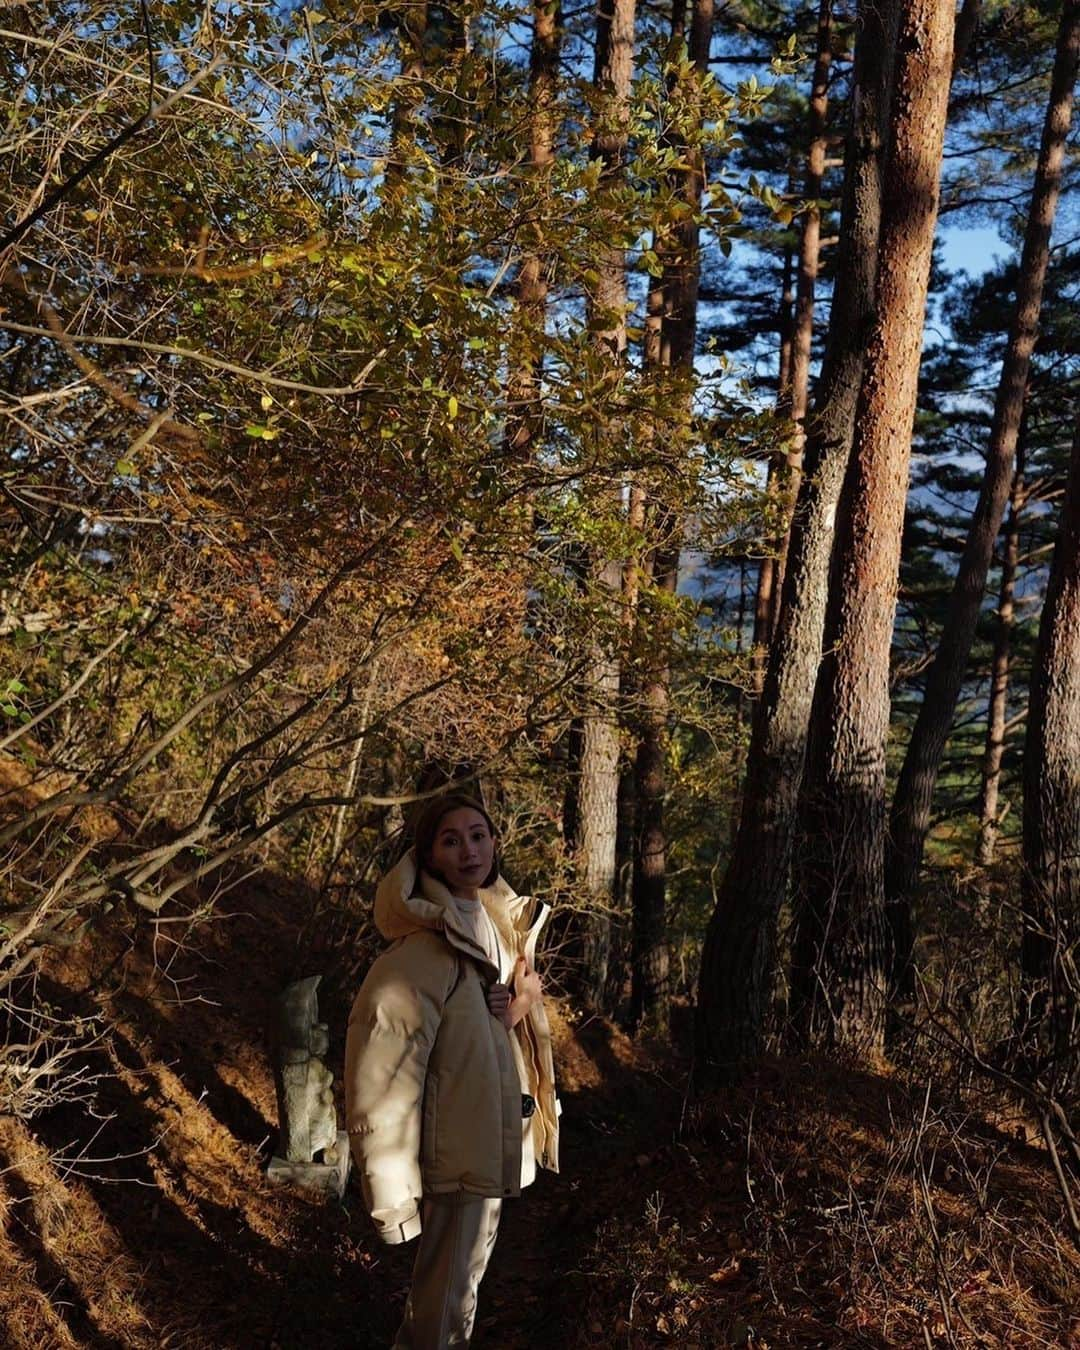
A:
[678,338]
[599,782]
[809,260]
[838,976]
[1050,894]
[766,593]
[912,800]
[525,410]
[967,24]
[650,960]
[612,77]
[736,967]
[412,31]
[997,705]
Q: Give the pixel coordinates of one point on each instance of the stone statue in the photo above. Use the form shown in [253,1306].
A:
[312,1151]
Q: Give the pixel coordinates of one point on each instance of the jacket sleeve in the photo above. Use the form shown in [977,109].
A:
[392,1028]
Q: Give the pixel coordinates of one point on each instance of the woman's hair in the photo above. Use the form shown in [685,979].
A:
[427,827]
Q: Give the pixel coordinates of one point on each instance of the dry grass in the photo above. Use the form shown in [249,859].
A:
[817,1207]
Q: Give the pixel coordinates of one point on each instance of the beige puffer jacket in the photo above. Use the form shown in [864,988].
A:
[433,1082]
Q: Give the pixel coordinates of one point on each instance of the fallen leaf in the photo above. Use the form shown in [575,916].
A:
[725,1273]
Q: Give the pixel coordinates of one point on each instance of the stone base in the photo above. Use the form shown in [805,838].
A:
[330,1178]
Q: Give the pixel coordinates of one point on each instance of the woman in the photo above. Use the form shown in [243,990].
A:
[450,1093]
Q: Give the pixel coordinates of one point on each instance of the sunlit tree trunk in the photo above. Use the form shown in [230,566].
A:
[998,703]
[912,801]
[736,968]
[599,779]
[838,975]
[1050,980]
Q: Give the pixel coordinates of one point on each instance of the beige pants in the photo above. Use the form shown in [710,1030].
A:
[455,1247]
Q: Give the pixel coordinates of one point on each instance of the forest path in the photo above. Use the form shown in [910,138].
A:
[619,1120]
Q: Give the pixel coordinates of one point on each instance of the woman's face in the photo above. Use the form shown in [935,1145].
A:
[463,851]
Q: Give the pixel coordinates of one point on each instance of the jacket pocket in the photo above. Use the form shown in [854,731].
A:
[430,1123]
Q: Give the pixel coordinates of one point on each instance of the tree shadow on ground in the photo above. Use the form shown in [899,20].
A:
[180,1044]
[69,1303]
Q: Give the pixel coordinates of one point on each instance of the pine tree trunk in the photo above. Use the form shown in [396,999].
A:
[838,974]
[598,802]
[525,412]
[1050,946]
[766,592]
[910,819]
[736,967]
[597,814]
[412,32]
[785,327]
[650,961]
[678,336]
[612,76]
[998,703]
[967,23]
[809,262]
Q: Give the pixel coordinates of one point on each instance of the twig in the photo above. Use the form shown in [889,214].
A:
[152,113]
[68,694]
[99,796]
[214,362]
[1066,1192]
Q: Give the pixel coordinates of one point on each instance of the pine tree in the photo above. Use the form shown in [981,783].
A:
[838,977]
[1050,976]
[910,815]
[737,959]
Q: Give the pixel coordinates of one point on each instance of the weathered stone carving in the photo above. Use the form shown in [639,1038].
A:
[307,1117]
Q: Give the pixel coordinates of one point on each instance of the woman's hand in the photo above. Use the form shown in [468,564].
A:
[499,1000]
[511,1002]
[527,991]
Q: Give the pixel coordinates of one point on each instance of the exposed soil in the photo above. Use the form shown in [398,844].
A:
[809,1206]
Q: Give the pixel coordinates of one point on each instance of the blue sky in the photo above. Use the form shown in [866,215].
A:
[972,249]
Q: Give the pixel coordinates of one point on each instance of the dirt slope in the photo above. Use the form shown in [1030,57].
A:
[807,1207]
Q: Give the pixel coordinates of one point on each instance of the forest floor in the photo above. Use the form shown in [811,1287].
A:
[807,1206]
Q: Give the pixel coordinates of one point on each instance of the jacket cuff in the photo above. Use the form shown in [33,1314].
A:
[393,1233]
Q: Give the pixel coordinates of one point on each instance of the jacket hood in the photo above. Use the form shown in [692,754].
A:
[409,900]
